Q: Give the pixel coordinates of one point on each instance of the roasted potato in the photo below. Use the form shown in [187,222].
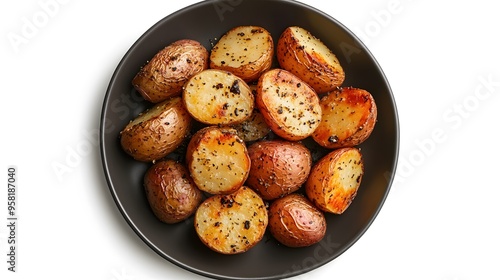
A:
[254,128]
[156,132]
[170,191]
[348,118]
[233,223]
[295,222]
[335,179]
[289,105]
[165,75]
[278,167]
[217,160]
[246,51]
[217,97]
[299,52]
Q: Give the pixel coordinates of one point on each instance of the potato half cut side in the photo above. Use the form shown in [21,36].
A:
[232,224]
[301,53]
[171,193]
[164,76]
[156,132]
[254,128]
[217,160]
[335,180]
[246,51]
[217,97]
[289,106]
[348,118]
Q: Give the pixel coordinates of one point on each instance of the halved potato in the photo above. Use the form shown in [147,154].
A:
[170,191]
[232,224]
[278,167]
[335,180]
[217,97]
[348,118]
[156,132]
[165,75]
[254,128]
[217,160]
[295,222]
[301,53]
[289,105]
[246,51]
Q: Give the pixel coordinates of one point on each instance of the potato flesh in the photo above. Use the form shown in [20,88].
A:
[348,118]
[314,47]
[218,160]
[335,179]
[246,51]
[232,224]
[218,98]
[290,107]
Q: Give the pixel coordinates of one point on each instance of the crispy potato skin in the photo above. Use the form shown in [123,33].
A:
[295,222]
[164,76]
[299,52]
[348,118]
[233,223]
[217,160]
[156,132]
[170,191]
[278,167]
[246,51]
[217,97]
[335,179]
[290,107]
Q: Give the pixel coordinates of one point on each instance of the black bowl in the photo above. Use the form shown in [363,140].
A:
[205,22]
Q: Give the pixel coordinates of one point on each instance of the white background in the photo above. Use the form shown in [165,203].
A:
[441,220]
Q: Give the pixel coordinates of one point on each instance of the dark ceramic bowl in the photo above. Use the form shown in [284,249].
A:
[179,244]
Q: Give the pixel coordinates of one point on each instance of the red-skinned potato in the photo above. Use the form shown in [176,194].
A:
[217,160]
[167,72]
[171,193]
[295,222]
[156,132]
[348,118]
[290,107]
[278,167]
[301,53]
[246,51]
[232,224]
[335,179]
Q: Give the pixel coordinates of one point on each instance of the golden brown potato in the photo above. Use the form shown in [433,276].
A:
[295,222]
[254,128]
[335,179]
[217,97]
[232,224]
[246,51]
[278,167]
[348,118]
[217,160]
[170,191]
[156,132]
[289,106]
[301,53]
[165,75]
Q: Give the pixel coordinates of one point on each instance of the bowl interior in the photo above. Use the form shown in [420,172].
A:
[205,22]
